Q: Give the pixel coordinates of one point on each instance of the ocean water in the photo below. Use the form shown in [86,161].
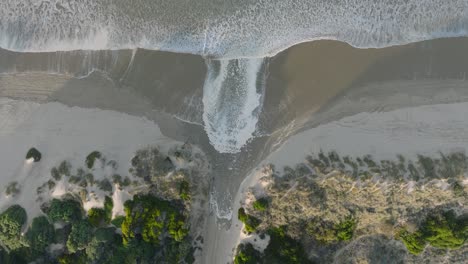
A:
[233,35]
[220,28]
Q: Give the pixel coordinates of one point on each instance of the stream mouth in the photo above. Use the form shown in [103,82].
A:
[232,101]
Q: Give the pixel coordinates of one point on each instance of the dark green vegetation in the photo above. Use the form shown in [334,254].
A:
[11,222]
[281,249]
[345,229]
[247,254]
[328,233]
[440,230]
[260,204]
[101,216]
[284,249]
[91,159]
[153,231]
[39,236]
[154,220]
[35,154]
[67,210]
[250,223]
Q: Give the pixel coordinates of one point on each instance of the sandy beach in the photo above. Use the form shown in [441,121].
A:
[64,133]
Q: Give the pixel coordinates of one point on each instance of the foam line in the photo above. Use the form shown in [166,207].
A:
[227,29]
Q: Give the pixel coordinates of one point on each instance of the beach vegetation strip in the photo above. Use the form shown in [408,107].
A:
[328,203]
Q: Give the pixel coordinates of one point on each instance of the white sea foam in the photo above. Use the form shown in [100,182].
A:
[232,100]
[229,29]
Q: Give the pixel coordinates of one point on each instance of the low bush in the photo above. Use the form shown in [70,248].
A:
[345,229]
[247,254]
[414,242]
[40,235]
[250,223]
[328,233]
[11,222]
[117,222]
[97,216]
[80,235]
[440,230]
[260,204]
[34,154]
[283,249]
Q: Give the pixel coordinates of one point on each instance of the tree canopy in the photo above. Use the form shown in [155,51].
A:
[67,210]
[11,222]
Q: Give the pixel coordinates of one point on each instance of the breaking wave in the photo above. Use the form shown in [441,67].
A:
[232,100]
[229,29]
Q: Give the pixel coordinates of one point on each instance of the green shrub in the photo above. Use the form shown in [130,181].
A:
[414,242]
[73,259]
[250,223]
[64,210]
[61,234]
[117,222]
[80,235]
[40,235]
[283,249]
[443,231]
[151,217]
[260,204]
[345,229]
[34,154]
[11,222]
[440,230]
[97,216]
[328,233]
[91,158]
[247,254]
[104,234]
[108,206]
[176,227]
[101,216]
